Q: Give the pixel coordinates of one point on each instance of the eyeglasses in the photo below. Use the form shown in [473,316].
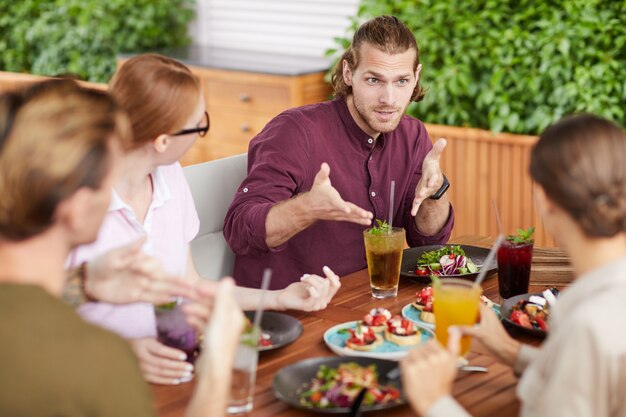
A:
[201,131]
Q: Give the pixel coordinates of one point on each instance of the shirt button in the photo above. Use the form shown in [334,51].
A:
[373,194]
[245,190]
[370,141]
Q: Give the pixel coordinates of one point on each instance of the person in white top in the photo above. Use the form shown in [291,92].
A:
[152,200]
[579,169]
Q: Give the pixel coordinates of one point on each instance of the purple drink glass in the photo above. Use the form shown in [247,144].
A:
[174,331]
[514,261]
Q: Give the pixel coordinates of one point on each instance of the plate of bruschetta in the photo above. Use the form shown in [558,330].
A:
[389,341]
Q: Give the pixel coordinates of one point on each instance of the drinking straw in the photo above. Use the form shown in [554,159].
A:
[391,192]
[267,276]
[489,259]
[495,210]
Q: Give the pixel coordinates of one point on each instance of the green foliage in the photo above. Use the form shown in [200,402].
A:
[83,37]
[380,228]
[523,236]
[514,65]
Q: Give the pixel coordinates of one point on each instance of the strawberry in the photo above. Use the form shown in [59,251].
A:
[521,318]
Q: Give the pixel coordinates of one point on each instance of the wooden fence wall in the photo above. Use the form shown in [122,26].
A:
[481,166]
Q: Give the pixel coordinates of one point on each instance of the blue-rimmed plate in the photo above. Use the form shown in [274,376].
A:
[411,313]
[335,339]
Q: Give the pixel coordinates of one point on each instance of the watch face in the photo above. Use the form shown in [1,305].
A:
[441,191]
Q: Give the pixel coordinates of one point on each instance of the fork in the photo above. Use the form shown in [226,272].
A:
[395,372]
[355,408]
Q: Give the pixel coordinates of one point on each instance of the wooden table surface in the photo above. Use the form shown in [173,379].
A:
[488,394]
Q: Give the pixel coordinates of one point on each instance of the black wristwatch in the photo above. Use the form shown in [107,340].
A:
[441,191]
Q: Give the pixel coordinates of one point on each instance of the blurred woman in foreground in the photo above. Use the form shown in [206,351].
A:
[579,167]
[60,146]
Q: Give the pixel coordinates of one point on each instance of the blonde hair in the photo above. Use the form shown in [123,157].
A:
[386,33]
[55,140]
[158,94]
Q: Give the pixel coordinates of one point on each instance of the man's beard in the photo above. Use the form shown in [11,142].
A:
[369,116]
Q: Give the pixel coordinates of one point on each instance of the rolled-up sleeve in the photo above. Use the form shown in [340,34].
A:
[273,176]
[414,236]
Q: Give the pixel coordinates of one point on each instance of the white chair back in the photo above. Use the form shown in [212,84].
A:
[213,185]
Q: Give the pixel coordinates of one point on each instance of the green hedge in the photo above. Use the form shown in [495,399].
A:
[83,37]
[514,65]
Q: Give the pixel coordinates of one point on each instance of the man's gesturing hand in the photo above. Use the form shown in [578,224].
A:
[432,177]
[325,203]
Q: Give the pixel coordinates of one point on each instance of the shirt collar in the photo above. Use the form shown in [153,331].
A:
[587,287]
[160,194]
[353,129]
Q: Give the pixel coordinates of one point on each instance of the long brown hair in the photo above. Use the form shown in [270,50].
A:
[581,164]
[55,139]
[158,94]
[388,34]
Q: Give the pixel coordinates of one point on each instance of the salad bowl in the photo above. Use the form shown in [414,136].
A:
[476,254]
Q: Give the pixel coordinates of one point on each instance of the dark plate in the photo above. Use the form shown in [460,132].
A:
[282,328]
[290,379]
[411,255]
[507,307]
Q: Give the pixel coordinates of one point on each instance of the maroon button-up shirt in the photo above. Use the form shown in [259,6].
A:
[283,160]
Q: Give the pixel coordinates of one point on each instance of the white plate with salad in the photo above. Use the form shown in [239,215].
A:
[459,261]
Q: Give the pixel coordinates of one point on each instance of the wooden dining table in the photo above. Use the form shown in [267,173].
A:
[482,394]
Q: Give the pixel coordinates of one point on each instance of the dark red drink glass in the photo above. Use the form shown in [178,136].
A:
[174,331]
[514,261]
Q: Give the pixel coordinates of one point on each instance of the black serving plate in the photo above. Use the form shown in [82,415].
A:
[507,307]
[289,380]
[476,254]
[282,328]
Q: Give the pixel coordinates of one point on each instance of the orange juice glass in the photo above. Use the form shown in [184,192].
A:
[455,304]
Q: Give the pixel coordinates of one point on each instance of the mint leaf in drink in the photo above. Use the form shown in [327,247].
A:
[522,237]
[381,228]
[168,306]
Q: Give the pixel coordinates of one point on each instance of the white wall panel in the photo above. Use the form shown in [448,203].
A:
[298,27]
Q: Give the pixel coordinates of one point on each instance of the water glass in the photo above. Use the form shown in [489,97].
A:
[244,374]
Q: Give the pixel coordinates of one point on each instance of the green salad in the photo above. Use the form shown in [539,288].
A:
[449,260]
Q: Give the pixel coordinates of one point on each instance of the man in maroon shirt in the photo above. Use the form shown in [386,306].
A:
[319,174]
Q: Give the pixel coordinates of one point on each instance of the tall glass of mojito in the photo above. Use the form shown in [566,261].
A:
[383,250]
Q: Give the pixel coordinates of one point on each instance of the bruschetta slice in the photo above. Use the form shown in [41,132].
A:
[424,303]
[402,332]
[363,338]
[377,319]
